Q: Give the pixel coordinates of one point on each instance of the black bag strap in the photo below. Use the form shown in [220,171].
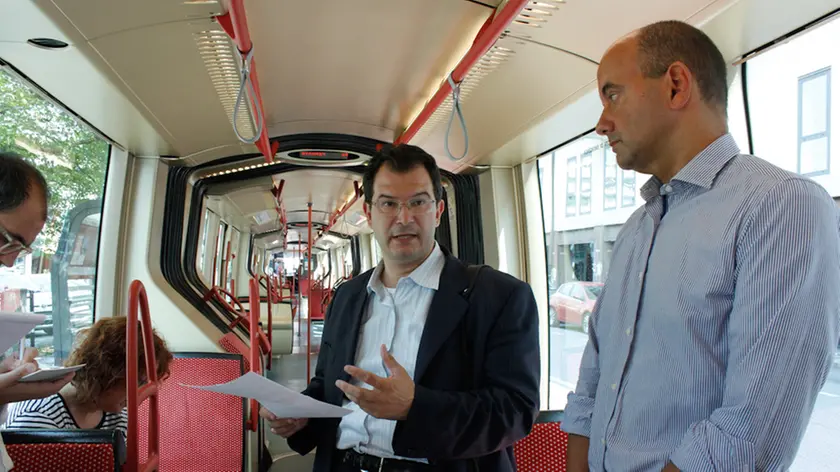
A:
[466,352]
[472,276]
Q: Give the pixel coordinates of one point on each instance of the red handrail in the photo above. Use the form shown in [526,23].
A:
[254,302]
[136,396]
[484,40]
[219,294]
[309,296]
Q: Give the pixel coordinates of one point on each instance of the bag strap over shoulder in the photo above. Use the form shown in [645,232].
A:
[472,276]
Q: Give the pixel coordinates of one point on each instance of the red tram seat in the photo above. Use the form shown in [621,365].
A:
[544,449]
[95,450]
[199,430]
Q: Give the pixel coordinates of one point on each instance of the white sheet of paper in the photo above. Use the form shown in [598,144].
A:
[281,401]
[14,326]
[50,374]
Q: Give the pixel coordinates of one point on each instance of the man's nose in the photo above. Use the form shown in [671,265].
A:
[403,216]
[604,125]
[8,260]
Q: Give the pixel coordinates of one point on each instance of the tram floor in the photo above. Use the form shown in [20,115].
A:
[289,371]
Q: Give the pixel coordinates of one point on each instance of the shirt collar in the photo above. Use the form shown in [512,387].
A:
[702,169]
[425,275]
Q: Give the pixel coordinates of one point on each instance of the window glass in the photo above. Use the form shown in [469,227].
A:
[58,279]
[221,251]
[571,186]
[791,101]
[586,183]
[202,251]
[792,116]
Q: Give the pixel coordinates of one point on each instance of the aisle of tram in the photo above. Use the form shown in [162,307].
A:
[290,371]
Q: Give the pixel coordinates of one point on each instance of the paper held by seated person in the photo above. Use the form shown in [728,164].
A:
[14,326]
[49,375]
[281,401]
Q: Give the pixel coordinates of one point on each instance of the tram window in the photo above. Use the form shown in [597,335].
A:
[202,252]
[789,89]
[59,278]
[814,114]
[793,117]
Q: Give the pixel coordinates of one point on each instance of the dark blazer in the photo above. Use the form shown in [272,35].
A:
[477,375]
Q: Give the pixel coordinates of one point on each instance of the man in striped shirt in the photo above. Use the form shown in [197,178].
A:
[716,326]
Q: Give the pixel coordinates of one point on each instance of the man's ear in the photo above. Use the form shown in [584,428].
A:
[679,81]
[366,210]
[441,205]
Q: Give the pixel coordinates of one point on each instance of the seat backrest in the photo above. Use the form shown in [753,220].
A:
[199,430]
[233,345]
[96,450]
[544,449]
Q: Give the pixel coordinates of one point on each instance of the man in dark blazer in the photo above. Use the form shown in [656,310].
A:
[439,362]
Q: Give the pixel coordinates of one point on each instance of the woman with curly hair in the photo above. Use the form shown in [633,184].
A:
[96,397]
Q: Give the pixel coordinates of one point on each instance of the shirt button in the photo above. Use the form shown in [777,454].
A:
[641,276]
[628,331]
[613,386]
[668,189]
[603,441]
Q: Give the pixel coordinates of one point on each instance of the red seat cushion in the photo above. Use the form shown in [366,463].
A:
[544,450]
[44,457]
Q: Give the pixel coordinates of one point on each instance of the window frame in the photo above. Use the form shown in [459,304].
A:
[824,72]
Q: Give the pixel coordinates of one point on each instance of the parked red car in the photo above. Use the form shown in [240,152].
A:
[572,304]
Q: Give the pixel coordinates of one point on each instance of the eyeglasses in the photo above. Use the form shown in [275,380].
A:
[13,244]
[416,206]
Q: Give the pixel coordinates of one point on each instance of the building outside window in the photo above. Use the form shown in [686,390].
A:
[814,111]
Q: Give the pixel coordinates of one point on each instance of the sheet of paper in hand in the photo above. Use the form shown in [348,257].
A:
[48,375]
[281,401]
[14,326]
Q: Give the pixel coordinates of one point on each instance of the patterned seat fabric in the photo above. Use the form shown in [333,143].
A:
[232,344]
[43,457]
[544,450]
[65,450]
[199,430]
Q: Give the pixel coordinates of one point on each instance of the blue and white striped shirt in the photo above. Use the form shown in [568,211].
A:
[717,323]
[394,317]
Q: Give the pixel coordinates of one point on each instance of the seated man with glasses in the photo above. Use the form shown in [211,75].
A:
[438,362]
[23,213]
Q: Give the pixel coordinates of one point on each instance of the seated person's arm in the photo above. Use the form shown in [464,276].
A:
[782,334]
[445,425]
[12,370]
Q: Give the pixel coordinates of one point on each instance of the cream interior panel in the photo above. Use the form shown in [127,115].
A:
[588,28]
[506,101]
[75,76]
[100,18]
[162,66]
[368,61]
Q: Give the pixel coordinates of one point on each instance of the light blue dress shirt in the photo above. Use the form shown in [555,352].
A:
[717,323]
[394,317]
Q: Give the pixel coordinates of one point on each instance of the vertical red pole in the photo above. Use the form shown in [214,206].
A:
[254,299]
[137,395]
[309,297]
